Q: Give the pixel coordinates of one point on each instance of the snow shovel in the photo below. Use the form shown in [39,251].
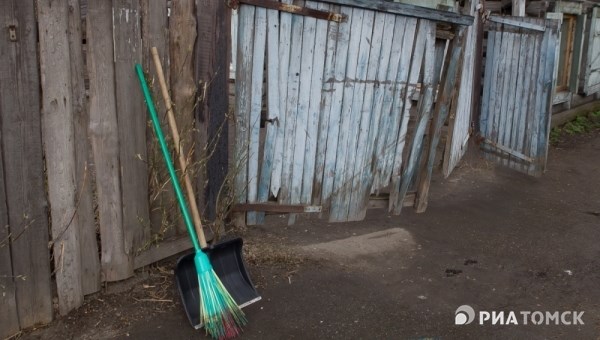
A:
[225,257]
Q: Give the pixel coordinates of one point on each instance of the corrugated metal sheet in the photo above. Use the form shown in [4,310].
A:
[517,91]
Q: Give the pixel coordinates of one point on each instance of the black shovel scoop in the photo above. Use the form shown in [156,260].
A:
[225,258]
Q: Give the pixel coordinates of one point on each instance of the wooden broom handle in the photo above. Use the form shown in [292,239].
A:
[176,140]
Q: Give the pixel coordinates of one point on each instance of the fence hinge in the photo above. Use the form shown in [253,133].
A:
[289,8]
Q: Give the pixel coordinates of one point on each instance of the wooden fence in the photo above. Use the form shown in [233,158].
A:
[84,195]
[340,96]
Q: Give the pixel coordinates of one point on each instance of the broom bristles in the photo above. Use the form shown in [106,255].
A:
[221,315]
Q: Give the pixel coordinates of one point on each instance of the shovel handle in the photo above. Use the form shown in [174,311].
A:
[182,161]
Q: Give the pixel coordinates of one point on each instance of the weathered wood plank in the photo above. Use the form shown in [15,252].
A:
[449,89]
[366,42]
[293,79]
[403,104]
[487,97]
[302,115]
[520,97]
[408,78]
[539,109]
[404,34]
[258,64]
[517,23]
[59,148]
[243,93]
[337,211]
[324,117]
[132,125]
[285,33]
[365,114]
[23,164]
[165,249]
[116,263]
[424,114]
[90,260]
[273,109]
[459,123]
[315,107]
[295,9]
[547,96]
[407,10]
[508,100]
[182,37]
[335,114]
[155,34]
[212,73]
[9,318]
[384,73]
[533,96]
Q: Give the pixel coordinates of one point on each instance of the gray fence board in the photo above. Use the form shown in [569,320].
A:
[23,165]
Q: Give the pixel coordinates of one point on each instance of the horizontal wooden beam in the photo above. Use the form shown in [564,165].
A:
[508,150]
[517,23]
[161,251]
[294,9]
[407,10]
[276,208]
[382,202]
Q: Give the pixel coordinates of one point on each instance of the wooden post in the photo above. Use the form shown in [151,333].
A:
[132,126]
[212,73]
[90,261]
[116,264]
[59,146]
[182,36]
[23,163]
[518,8]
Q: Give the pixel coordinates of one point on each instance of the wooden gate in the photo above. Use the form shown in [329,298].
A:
[339,95]
[517,91]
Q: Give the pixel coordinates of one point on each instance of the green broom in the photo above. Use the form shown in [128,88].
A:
[221,316]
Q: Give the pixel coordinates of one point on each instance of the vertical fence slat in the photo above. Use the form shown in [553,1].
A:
[293,88]
[273,108]
[132,125]
[507,94]
[304,98]
[9,319]
[162,199]
[285,33]
[315,108]
[243,93]
[116,263]
[514,104]
[404,32]
[338,211]
[427,30]
[182,36]
[23,183]
[366,112]
[59,149]
[343,43]
[362,69]
[327,92]
[23,167]
[523,100]
[212,71]
[258,64]
[540,106]
[90,260]
[383,84]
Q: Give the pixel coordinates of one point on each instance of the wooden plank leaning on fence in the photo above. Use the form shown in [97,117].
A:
[116,263]
[23,165]
[59,147]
